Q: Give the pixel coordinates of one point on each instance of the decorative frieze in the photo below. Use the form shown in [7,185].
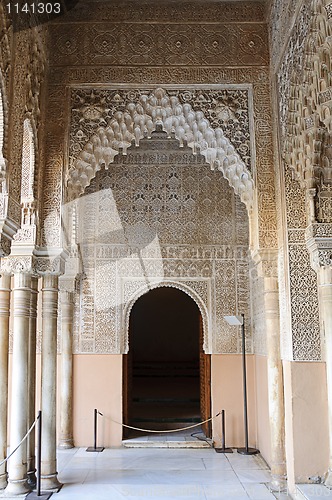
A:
[147,44]
[127,12]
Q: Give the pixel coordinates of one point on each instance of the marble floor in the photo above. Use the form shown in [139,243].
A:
[161,473]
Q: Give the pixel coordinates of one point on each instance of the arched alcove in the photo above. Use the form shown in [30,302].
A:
[148,222]
[181,287]
[166,373]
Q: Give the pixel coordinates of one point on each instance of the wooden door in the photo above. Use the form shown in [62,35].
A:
[205,383]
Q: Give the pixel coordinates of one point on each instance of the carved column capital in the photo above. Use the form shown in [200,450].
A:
[50,261]
[17,264]
[266,262]
[319,244]
[27,260]
[67,282]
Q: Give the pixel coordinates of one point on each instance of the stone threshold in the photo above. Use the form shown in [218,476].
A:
[141,443]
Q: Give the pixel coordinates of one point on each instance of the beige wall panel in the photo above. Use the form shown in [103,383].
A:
[97,384]
[305,420]
[227,394]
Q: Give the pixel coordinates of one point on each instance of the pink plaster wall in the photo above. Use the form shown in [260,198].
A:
[97,381]
[227,394]
[306,420]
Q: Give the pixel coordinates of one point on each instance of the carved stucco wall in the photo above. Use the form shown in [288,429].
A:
[145,223]
[5,67]
[158,47]
[282,16]
[293,25]
[22,67]
[248,37]
[304,307]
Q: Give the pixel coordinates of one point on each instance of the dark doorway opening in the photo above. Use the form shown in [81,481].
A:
[166,373]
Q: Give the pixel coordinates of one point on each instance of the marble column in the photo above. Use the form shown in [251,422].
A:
[4,344]
[17,466]
[49,472]
[325,295]
[32,381]
[275,385]
[66,396]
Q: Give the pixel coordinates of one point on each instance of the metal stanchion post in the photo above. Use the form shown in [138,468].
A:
[38,494]
[95,448]
[237,321]
[223,448]
[246,450]
[39,452]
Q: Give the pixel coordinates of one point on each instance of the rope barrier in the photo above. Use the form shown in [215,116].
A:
[17,447]
[164,431]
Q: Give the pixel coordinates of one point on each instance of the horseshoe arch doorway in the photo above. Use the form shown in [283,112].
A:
[166,374]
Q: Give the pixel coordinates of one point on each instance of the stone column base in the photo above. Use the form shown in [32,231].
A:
[66,444]
[3,481]
[278,484]
[51,483]
[16,488]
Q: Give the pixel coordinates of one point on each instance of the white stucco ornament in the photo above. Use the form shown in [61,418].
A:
[140,119]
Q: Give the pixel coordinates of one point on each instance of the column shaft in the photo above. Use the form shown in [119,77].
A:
[325,289]
[17,467]
[275,385]
[48,389]
[4,344]
[32,380]
[66,398]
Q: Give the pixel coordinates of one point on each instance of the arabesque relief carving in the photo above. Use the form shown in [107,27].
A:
[301,331]
[142,224]
[124,12]
[250,71]
[140,44]
[28,73]
[117,119]
[304,84]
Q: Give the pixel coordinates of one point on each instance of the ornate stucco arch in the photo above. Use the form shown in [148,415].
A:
[139,119]
[310,104]
[183,287]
